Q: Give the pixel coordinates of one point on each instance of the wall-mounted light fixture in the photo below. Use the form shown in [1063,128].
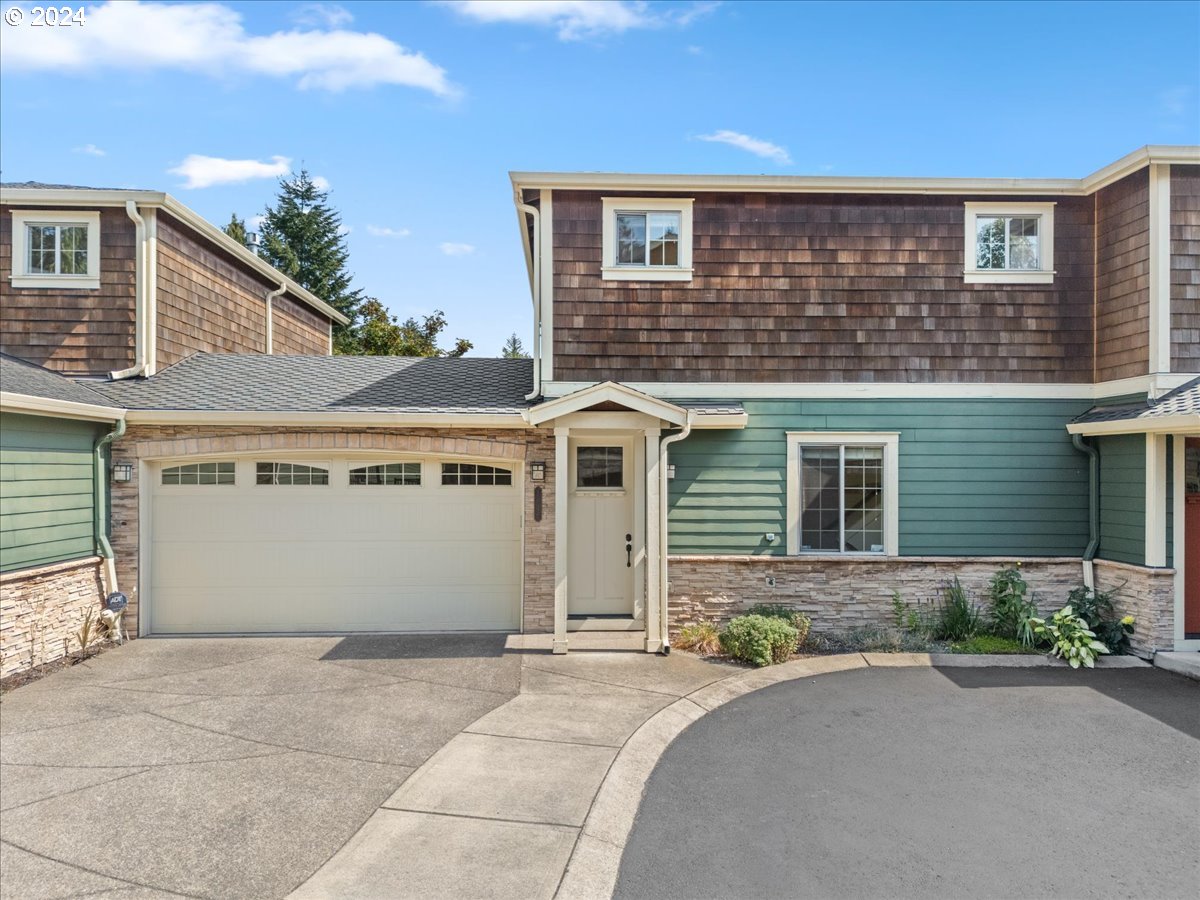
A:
[122,472]
[670,471]
[537,471]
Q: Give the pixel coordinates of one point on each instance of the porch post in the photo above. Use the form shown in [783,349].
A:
[653,561]
[1156,500]
[562,467]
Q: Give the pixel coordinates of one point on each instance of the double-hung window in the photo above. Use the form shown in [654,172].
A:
[1009,243]
[842,493]
[56,249]
[647,239]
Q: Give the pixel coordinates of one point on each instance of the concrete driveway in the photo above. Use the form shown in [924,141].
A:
[241,767]
[926,782]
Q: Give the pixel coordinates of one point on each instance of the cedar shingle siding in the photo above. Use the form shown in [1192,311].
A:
[1123,278]
[76,332]
[297,329]
[1185,268]
[811,288]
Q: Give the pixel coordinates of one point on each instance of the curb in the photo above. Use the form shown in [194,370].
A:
[592,870]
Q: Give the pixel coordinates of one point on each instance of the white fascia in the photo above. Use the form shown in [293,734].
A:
[325,419]
[62,409]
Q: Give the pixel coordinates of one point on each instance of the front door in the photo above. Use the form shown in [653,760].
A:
[600,527]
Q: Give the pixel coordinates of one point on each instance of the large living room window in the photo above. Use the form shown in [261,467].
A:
[56,249]
[1009,243]
[842,493]
[647,239]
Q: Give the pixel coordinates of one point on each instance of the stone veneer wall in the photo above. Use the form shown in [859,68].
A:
[145,442]
[42,608]
[1146,594]
[840,594]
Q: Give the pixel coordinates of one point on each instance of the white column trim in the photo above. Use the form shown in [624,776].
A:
[1160,268]
[654,611]
[639,531]
[546,292]
[562,468]
[1178,543]
[1156,500]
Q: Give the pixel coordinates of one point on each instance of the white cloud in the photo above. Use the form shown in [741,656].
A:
[578,19]
[695,49]
[210,38]
[89,149]
[255,223]
[1175,102]
[321,183]
[205,171]
[453,249]
[754,145]
[385,232]
[344,230]
[314,15]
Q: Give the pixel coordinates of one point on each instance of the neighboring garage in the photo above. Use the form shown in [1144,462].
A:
[288,543]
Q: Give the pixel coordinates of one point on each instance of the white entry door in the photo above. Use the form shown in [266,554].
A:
[600,527]
[270,544]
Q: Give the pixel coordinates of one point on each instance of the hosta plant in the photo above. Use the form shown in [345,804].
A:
[1070,638]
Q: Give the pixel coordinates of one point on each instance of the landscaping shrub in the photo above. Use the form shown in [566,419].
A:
[759,640]
[1096,608]
[797,620]
[989,643]
[958,618]
[701,637]
[1010,611]
[1070,638]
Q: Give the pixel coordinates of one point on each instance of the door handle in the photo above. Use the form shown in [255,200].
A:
[628,551]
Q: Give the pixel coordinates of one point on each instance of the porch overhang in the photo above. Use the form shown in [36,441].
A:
[610,396]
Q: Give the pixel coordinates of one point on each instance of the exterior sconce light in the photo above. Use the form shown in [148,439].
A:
[122,472]
[670,471]
[537,471]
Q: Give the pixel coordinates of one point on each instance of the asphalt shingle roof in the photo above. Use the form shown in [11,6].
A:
[259,383]
[17,376]
[1184,400]
[45,186]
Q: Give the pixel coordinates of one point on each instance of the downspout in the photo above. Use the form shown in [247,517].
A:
[99,507]
[535,284]
[151,292]
[139,296]
[663,618]
[1089,573]
[271,316]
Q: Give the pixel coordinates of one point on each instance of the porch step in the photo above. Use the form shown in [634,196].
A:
[605,623]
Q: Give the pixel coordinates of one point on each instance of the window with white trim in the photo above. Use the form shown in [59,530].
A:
[842,493]
[1009,243]
[474,473]
[58,249]
[204,473]
[404,474]
[286,473]
[647,239]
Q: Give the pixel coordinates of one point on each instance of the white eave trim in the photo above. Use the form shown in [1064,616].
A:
[815,184]
[325,419]
[1184,423]
[62,409]
[607,392]
[92,198]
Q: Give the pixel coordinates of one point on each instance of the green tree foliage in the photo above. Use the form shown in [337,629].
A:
[302,237]
[236,229]
[380,334]
[513,348]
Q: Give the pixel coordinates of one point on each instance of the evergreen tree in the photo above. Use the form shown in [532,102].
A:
[380,334]
[301,236]
[236,229]
[513,348]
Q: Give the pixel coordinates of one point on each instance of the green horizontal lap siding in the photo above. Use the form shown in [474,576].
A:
[46,490]
[1123,498]
[979,477]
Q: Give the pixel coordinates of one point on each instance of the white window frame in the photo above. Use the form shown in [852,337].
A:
[1043,212]
[22,278]
[890,442]
[610,271]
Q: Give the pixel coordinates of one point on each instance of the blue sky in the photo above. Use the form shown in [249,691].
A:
[414,112]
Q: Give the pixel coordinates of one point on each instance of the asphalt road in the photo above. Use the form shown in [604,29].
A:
[884,783]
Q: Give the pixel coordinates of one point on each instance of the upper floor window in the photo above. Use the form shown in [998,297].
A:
[56,249]
[1009,243]
[647,239]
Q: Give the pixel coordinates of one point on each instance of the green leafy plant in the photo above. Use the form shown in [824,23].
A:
[989,643]
[700,637]
[1097,609]
[1070,638]
[1010,610]
[798,620]
[958,617]
[918,620]
[870,639]
[759,640]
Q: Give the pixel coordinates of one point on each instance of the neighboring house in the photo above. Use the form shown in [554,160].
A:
[814,391]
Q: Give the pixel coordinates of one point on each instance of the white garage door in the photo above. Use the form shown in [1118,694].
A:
[269,544]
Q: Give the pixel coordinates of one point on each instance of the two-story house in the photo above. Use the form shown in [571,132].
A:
[814,391]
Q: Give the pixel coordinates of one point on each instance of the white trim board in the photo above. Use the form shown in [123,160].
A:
[1160,268]
[26,404]
[325,419]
